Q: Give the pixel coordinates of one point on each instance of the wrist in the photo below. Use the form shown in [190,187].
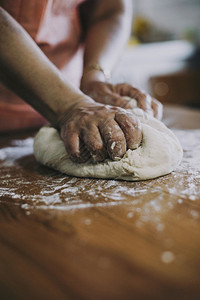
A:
[92,73]
[66,113]
[98,69]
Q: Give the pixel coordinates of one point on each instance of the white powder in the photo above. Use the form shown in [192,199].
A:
[56,191]
[167,257]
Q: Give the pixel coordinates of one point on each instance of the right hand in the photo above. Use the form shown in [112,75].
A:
[99,131]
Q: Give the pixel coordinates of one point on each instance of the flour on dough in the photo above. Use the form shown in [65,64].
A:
[159,154]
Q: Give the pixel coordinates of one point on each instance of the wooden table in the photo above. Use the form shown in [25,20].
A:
[72,238]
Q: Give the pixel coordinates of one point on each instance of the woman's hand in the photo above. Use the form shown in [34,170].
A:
[99,131]
[111,94]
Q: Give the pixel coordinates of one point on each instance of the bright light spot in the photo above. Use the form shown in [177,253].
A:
[167,257]
[130,214]
[161,88]
[87,221]
[160,227]
[194,214]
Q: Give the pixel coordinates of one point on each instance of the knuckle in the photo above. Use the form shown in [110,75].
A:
[99,156]
[75,155]
[95,146]
[116,149]
[117,135]
[69,126]
[135,140]
[131,118]
[71,149]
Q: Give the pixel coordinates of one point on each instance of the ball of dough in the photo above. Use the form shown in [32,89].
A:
[159,153]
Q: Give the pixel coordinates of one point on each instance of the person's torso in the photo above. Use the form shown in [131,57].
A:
[54,25]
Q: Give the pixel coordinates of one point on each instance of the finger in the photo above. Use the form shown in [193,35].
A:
[144,101]
[123,101]
[111,98]
[75,148]
[131,128]
[124,89]
[114,139]
[132,92]
[116,100]
[157,109]
[84,153]
[149,104]
[72,145]
[93,141]
[129,103]
[141,99]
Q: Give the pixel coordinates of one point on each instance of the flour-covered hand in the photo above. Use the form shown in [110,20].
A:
[96,132]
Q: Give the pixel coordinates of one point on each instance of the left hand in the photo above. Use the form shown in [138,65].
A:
[111,94]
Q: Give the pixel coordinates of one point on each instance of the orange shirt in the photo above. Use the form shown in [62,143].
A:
[55,27]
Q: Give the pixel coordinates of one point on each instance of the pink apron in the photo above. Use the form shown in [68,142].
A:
[54,25]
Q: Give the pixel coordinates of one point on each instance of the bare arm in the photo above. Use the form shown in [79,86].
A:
[29,73]
[107,34]
[87,128]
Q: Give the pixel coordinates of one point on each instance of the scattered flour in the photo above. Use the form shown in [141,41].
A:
[54,191]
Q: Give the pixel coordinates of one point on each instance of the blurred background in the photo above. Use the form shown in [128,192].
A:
[163,55]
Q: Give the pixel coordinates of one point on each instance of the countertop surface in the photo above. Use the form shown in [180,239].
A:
[71,238]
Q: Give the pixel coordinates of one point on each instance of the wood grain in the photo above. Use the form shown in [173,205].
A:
[72,238]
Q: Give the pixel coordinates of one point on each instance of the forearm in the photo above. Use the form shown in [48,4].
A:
[29,73]
[108,33]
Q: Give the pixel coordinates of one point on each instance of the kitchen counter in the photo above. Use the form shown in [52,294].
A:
[63,237]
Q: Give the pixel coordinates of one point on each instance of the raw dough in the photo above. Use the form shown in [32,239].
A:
[159,154]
